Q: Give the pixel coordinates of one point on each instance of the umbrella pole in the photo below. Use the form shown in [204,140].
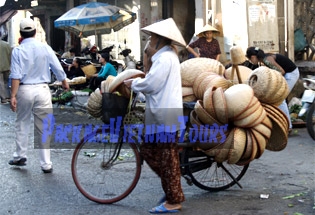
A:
[95,36]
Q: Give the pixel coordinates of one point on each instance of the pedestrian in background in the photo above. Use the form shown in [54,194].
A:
[162,89]
[207,45]
[5,54]
[75,69]
[31,66]
[106,70]
[279,63]
[69,54]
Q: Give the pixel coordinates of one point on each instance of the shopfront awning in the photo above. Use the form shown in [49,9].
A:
[6,15]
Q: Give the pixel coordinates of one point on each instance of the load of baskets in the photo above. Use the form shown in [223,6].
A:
[237,107]
[112,85]
[242,101]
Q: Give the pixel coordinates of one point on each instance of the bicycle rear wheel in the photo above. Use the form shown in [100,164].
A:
[104,172]
[209,175]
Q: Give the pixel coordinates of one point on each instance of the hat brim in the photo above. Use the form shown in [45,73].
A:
[207,28]
[171,32]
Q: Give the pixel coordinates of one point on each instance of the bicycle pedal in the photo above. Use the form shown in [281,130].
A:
[188,180]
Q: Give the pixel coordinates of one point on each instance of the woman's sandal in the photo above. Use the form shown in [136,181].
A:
[161,209]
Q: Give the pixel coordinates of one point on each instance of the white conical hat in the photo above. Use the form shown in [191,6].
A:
[166,28]
[205,28]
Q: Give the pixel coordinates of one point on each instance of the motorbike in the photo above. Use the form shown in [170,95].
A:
[130,62]
[308,105]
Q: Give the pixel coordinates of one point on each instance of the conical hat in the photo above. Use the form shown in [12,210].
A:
[166,28]
[205,28]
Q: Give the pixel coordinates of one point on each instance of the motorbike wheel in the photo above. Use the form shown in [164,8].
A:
[310,121]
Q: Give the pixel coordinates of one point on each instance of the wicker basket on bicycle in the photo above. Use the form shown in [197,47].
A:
[115,102]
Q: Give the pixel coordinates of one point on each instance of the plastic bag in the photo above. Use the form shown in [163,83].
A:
[113,106]
[299,40]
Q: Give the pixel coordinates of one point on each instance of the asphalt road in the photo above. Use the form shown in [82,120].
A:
[286,176]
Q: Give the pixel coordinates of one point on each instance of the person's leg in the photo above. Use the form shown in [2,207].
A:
[291,79]
[23,121]
[4,95]
[6,75]
[152,156]
[284,107]
[42,111]
[171,175]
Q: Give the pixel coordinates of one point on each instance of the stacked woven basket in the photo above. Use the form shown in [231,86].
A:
[111,85]
[248,110]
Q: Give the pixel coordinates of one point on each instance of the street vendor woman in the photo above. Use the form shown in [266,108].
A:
[207,45]
[279,63]
[162,89]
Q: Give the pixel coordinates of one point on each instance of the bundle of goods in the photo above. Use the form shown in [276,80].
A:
[62,96]
[195,72]
[113,97]
[94,104]
[246,112]
[78,80]
[89,70]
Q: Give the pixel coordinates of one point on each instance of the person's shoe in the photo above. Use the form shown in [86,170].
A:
[161,209]
[21,162]
[5,101]
[47,170]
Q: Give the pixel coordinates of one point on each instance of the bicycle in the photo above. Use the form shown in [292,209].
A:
[100,161]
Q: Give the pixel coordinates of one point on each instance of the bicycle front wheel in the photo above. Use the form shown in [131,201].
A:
[209,175]
[104,172]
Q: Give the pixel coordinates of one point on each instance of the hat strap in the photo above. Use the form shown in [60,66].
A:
[158,43]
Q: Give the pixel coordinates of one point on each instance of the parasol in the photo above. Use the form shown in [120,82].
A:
[95,18]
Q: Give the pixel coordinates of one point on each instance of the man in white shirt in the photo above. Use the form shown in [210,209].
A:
[31,62]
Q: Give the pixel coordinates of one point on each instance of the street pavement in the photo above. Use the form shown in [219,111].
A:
[288,177]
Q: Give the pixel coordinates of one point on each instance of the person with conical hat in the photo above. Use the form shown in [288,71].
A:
[164,107]
[207,45]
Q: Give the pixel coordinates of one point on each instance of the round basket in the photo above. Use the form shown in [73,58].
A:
[269,85]
[261,143]
[89,70]
[126,74]
[220,152]
[203,115]
[253,119]
[245,158]
[263,129]
[208,102]
[245,73]
[238,98]
[237,55]
[201,83]
[252,108]
[237,149]
[280,125]
[220,106]
[105,84]
[191,68]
